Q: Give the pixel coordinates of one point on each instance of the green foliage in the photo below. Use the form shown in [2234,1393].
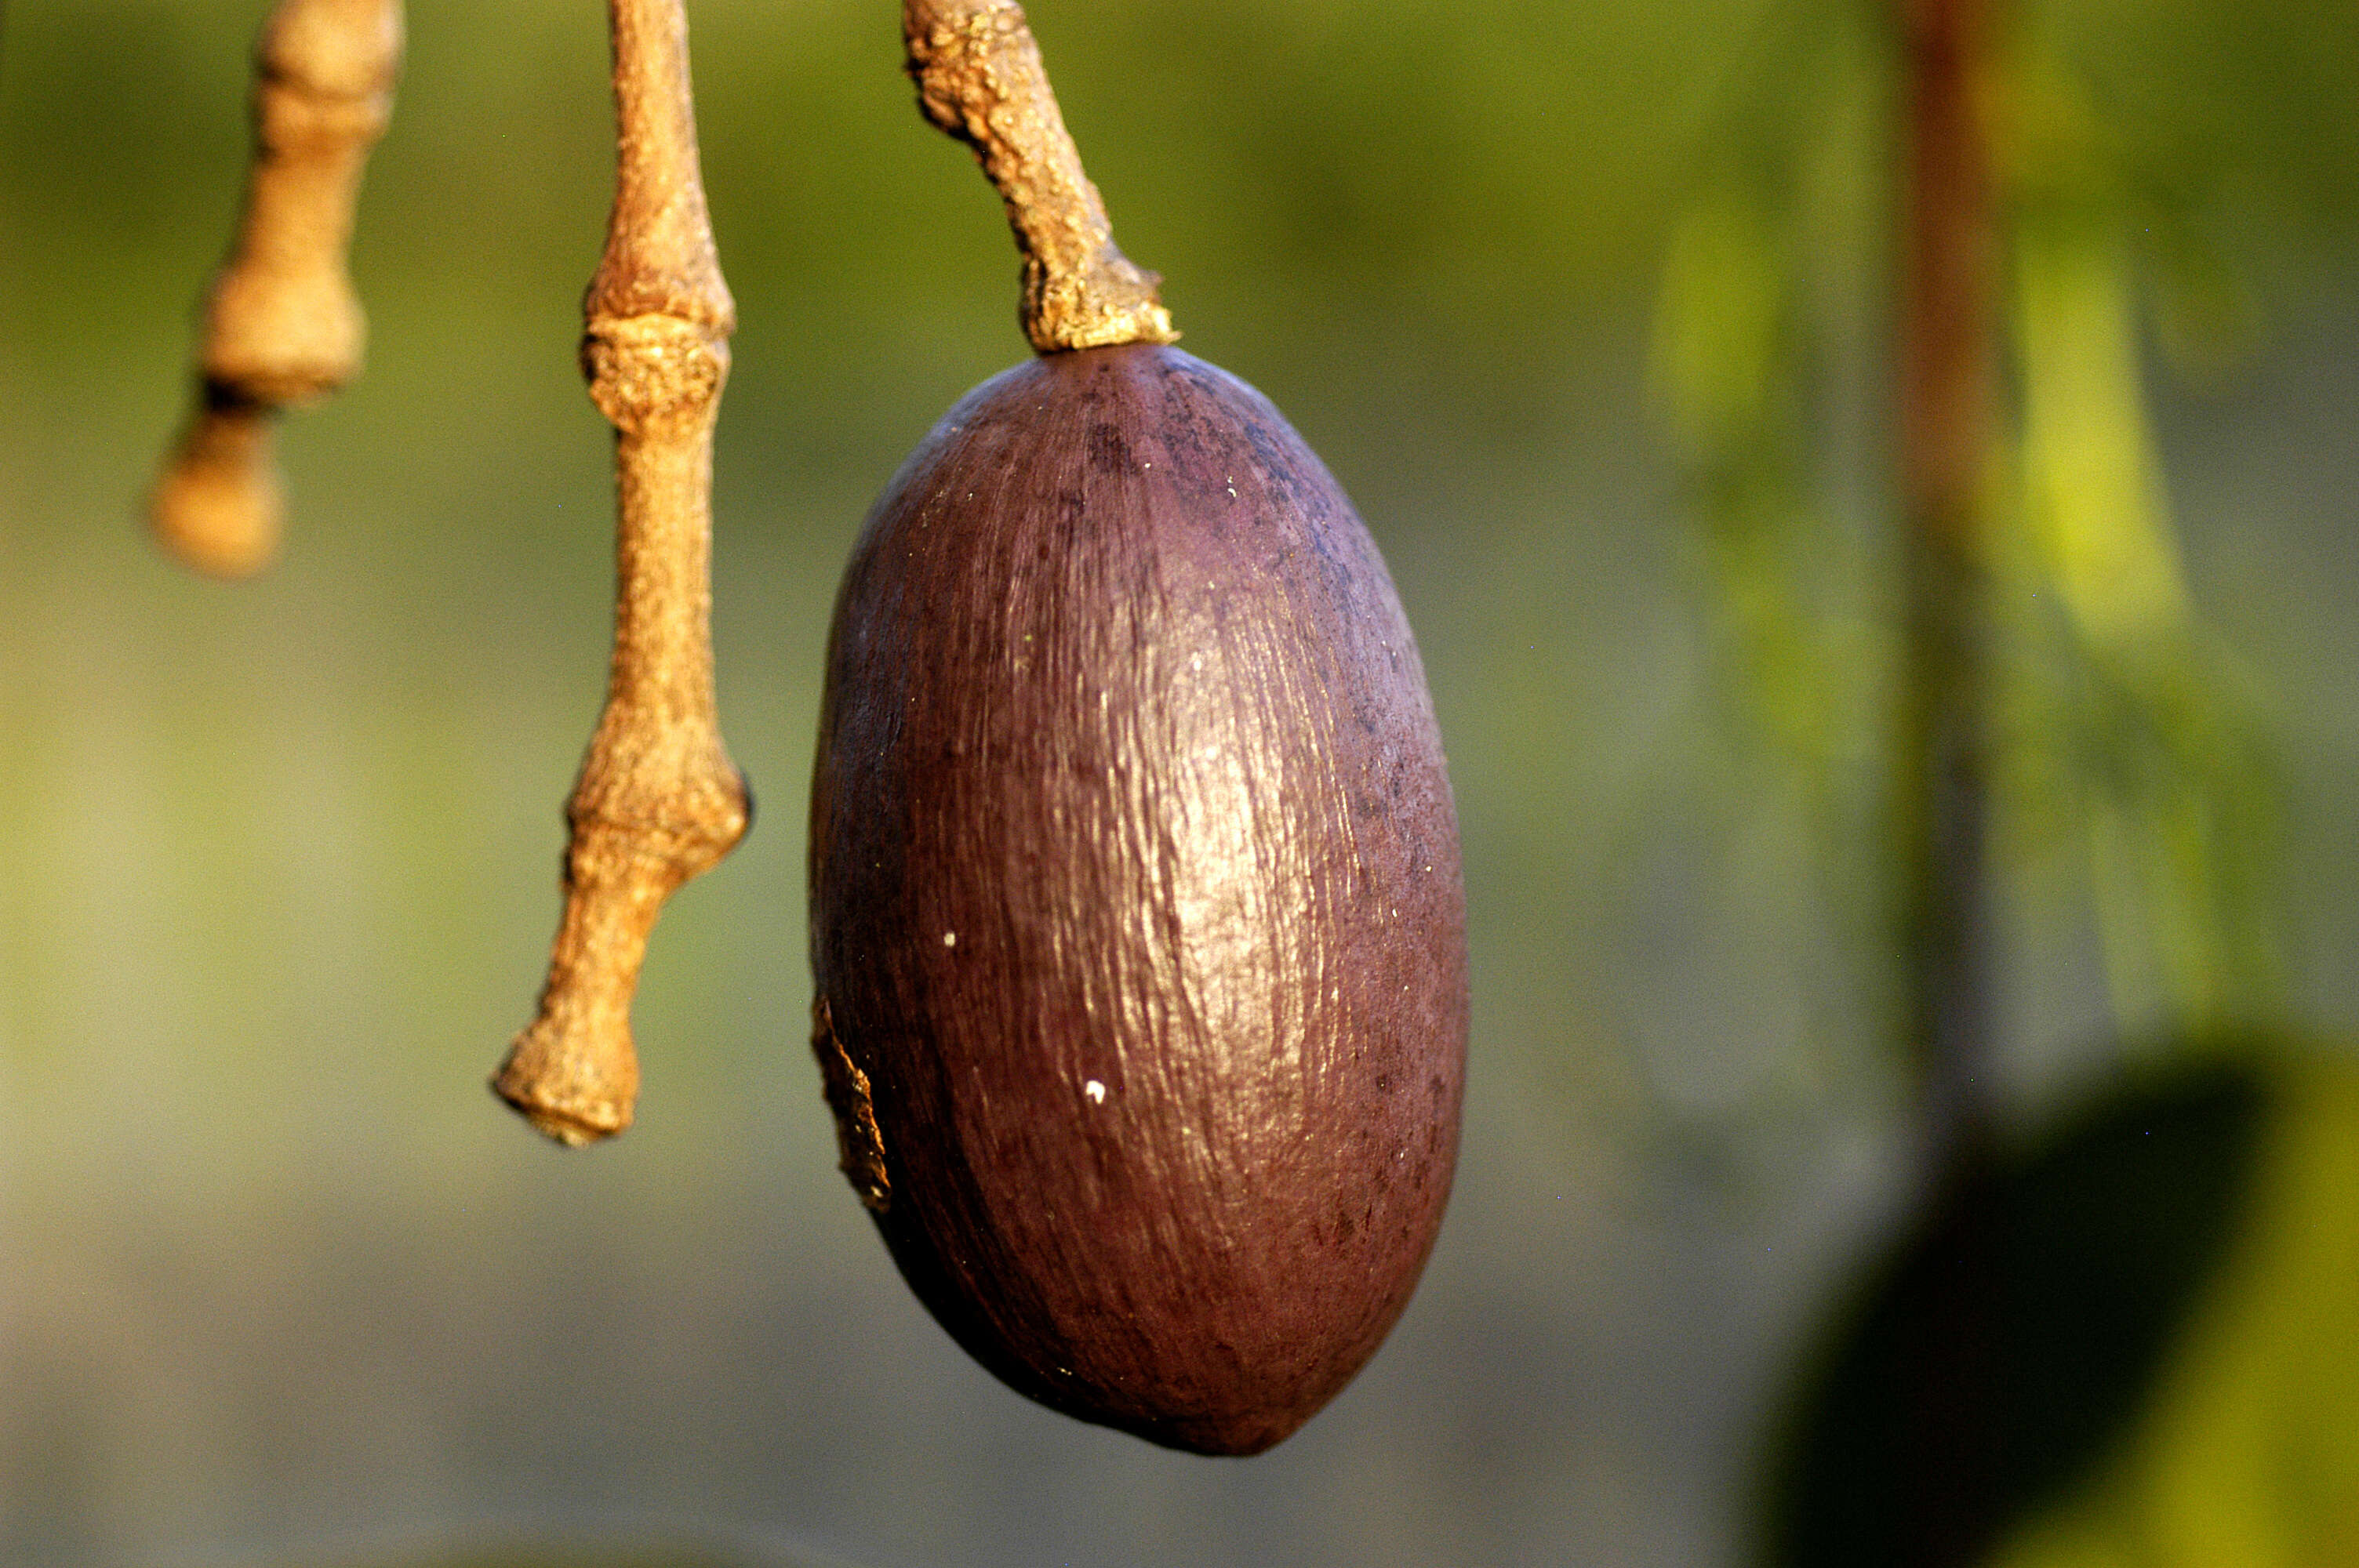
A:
[2128,744]
[2110,1347]
[1764,347]
[2130,727]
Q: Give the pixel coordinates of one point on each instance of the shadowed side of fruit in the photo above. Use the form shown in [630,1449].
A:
[1137,921]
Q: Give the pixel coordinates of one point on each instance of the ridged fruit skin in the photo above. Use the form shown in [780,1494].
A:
[1136,917]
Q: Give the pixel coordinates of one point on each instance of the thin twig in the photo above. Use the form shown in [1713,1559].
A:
[659,800]
[979,78]
[283,326]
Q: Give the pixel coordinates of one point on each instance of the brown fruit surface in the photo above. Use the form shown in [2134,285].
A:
[1136,917]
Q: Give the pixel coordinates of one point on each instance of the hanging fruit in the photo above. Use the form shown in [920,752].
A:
[1137,920]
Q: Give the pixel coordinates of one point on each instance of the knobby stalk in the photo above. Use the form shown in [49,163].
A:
[283,326]
[659,800]
[979,78]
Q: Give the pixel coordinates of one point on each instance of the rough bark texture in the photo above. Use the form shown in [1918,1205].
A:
[283,326]
[979,78]
[1136,902]
[658,801]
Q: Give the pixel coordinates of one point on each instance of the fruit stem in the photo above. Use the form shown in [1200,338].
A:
[283,326]
[658,801]
[980,79]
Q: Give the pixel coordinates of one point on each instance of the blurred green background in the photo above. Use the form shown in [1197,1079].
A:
[1584,303]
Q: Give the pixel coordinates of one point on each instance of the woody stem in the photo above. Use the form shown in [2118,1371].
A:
[658,801]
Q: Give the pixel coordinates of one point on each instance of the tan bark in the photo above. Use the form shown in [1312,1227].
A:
[979,78]
[283,326]
[659,800]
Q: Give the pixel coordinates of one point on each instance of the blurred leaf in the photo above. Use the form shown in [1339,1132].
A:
[2000,1350]
[2245,1450]
[1761,356]
[2128,744]
[1719,321]
[2154,754]
[2092,490]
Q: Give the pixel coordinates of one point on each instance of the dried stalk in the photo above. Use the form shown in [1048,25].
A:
[659,800]
[283,326]
[979,78]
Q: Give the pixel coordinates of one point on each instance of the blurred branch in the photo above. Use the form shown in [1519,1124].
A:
[1940,782]
[1940,775]
[283,326]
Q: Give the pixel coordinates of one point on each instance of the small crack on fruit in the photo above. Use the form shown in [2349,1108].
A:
[859,1142]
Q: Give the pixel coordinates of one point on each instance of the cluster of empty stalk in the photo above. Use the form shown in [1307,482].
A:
[657,800]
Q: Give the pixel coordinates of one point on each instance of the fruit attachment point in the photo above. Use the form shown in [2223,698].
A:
[980,79]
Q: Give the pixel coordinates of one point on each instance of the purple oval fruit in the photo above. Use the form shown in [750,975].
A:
[1137,917]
